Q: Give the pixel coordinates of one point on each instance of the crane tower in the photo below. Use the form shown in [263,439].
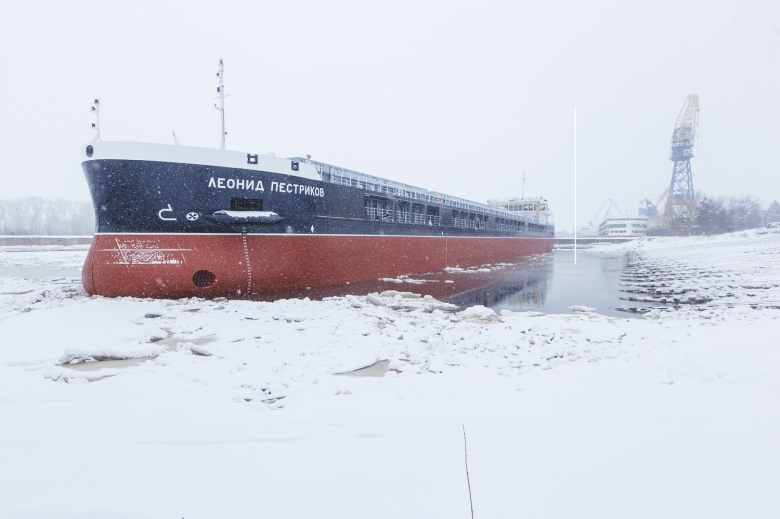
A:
[681,204]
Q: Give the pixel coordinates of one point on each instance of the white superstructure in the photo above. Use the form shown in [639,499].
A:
[623,227]
[535,207]
[174,154]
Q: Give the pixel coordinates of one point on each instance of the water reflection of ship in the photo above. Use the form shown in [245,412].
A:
[515,286]
[516,289]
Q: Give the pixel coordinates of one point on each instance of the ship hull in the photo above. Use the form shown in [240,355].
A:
[176,222]
[239,265]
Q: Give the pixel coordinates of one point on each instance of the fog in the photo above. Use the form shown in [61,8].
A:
[458,98]
[36,215]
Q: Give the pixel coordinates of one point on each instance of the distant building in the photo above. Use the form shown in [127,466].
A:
[587,231]
[623,227]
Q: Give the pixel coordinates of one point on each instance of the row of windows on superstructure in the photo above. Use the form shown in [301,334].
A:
[384,209]
[382,186]
[621,226]
[524,207]
[620,232]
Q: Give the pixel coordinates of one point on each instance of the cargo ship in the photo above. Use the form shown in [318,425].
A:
[179,221]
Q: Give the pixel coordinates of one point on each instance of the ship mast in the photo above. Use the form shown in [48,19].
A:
[96,125]
[523,195]
[221,107]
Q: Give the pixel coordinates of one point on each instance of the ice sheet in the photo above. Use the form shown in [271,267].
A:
[240,412]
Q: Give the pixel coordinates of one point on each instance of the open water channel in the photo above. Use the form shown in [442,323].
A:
[549,283]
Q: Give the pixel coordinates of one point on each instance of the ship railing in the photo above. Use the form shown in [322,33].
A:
[470,224]
[347,177]
[383,215]
[418,218]
[507,227]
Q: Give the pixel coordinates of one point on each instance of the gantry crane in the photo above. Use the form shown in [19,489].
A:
[651,209]
[681,203]
[609,204]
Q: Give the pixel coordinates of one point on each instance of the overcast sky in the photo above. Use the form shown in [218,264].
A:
[459,97]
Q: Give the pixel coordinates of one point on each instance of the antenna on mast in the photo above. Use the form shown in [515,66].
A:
[96,125]
[523,195]
[222,96]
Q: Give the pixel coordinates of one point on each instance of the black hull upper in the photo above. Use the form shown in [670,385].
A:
[139,196]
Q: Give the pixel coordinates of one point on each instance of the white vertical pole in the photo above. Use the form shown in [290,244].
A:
[221,107]
[575,185]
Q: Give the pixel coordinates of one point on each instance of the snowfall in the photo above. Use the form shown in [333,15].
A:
[356,406]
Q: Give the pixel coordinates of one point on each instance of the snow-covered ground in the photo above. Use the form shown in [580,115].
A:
[45,257]
[242,409]
[739,268]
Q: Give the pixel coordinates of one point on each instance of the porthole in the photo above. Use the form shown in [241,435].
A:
[90,151]
[204,278]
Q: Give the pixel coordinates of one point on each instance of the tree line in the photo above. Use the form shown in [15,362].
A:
[37,215]
[716,215]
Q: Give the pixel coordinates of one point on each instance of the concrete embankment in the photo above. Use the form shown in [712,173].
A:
[590,241]
[45,240]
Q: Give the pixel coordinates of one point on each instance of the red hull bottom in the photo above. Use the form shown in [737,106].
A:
[203,265]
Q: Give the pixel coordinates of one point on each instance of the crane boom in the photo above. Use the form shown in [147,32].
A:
[685,129]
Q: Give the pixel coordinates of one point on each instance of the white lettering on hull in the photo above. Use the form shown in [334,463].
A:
[296,189]
[257,185]
[144,252]
[236,183]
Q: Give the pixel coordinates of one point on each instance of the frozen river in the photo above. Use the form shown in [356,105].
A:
[549,283]
[238,408]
